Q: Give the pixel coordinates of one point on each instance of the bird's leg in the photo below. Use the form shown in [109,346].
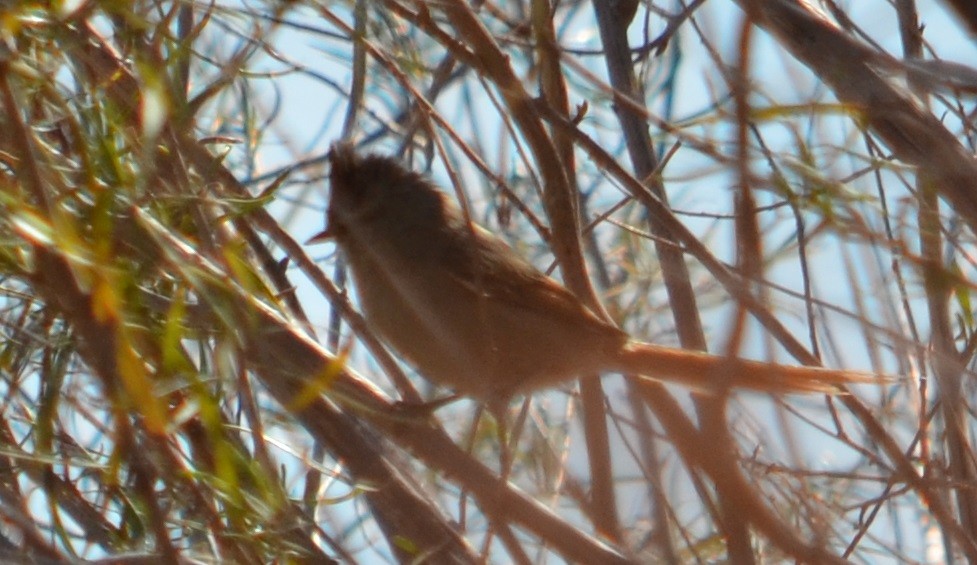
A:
[499,410]
[507,438]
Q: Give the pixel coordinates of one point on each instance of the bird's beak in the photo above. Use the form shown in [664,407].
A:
[322,237]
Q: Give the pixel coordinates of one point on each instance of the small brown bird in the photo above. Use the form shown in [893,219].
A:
[473,316]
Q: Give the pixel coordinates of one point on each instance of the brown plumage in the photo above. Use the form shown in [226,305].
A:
[473,316]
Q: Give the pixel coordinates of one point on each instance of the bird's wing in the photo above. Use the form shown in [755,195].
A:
[517,283]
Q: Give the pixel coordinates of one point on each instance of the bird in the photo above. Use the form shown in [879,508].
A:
[470,314]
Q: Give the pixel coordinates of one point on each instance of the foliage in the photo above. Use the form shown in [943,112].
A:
[181,380]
